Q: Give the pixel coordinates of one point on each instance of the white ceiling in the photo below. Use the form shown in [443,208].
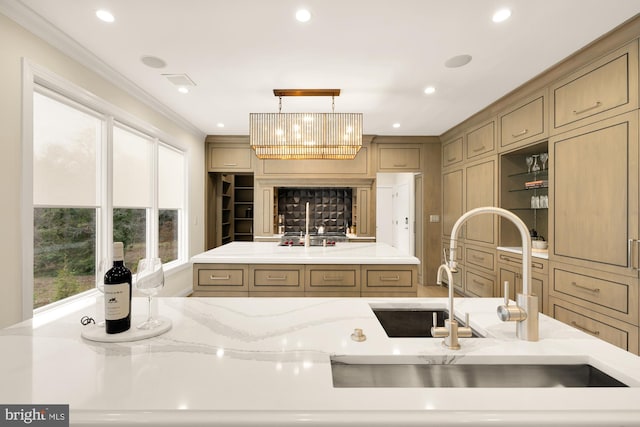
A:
[381,53]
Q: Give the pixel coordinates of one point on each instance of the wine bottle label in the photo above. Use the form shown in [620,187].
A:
[116,301]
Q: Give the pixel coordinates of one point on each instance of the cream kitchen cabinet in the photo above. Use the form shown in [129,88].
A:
[399,157]
[332,280]
[230,158]
[389,280]
[602,89]
[452,199]
[230,280]
[481,190]
[453,152]
[525,122]
[594,212]
[613,331]
[480,140]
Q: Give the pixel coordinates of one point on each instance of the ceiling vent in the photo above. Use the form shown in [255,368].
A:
[180,80]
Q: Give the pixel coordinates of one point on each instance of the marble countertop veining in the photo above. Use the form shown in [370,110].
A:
[272,253]
[255,361]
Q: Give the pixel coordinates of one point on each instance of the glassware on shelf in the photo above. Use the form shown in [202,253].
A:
[149,281]
[543,158]
[529,161]
[536,166]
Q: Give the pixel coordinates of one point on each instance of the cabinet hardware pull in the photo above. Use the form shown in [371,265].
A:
[524,132]
[478,283]
[227,277]
[331,278]
[586,288]
[389,279]
[506,258]
[584,110]
[399,165]
[451,159]
[277,277]
[537,265]
[582,328]
[231,164]
[630,263]
[475,150]
[477,258]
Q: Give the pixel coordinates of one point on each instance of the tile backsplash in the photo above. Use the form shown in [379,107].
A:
[330,207]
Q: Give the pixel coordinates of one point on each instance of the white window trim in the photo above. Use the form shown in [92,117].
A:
[35,75]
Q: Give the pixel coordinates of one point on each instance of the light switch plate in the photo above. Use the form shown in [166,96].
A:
[434,218]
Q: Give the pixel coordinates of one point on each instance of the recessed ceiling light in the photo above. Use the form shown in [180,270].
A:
[501,15]
[220,125]
[396,125]
[457,61]
[429,90]
[105,15]
[303,15]
[183,89]
[153,61]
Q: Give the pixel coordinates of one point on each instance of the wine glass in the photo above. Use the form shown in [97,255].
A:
[529,161]
[101,268]
[543,158]
[536,166]
[149,281]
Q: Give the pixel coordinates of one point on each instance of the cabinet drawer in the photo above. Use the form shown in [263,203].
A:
[389,280]
[230,159]
[221,277]
[333,278]
[603,89]
[452,152]
[478,285]
[525,122]
[268,277]
[538,265]
[399,158]
[480,258]
[606,293]
[481,140]
[614,332]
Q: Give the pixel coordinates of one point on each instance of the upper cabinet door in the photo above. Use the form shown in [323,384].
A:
[604,88]
[481,140]
[595,194]
[399,157]
[452,152]
[524,123]
[230,159]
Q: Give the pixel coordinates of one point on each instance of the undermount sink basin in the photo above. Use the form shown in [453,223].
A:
[410,323]
[467,375]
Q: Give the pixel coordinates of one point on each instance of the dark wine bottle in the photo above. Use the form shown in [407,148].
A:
[117,293]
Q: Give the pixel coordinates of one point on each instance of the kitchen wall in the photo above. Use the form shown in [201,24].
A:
[17,43]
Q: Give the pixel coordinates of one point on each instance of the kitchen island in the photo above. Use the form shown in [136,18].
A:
[267,269]
[263,361]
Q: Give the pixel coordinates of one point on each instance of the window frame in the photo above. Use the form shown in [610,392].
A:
[38,79]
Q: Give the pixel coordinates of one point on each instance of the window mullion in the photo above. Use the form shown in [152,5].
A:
[105,225]
[153,226]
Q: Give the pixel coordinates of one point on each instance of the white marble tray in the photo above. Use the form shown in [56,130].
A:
[97,333]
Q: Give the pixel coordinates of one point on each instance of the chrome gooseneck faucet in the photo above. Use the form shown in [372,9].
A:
[451,331]
[525,312]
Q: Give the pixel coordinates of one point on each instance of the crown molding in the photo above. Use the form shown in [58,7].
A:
[42,28]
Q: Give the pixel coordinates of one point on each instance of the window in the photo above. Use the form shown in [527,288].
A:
[96,181]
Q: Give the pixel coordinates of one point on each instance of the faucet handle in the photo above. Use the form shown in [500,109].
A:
[435,319]
[506,292]
[465,331]
[507,312]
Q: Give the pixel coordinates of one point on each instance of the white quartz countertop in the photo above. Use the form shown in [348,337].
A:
[271,253]
[266,361]
[536,253]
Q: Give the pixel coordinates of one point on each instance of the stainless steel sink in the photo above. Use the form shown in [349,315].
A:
[410,323]
[467,375]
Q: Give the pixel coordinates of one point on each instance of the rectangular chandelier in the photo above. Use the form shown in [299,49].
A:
[296,136]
